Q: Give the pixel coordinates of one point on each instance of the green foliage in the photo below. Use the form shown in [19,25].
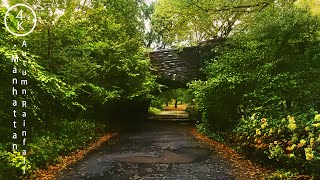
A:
[168,95]
[292,142]
[189,22]
[153,110]
[273,64]
[262,74]
[98,48]
[77,62]
[157,102]
[179,94]
[203,129]
[13,164]
[193,111]
[65,136]
[282,174]
[48,145]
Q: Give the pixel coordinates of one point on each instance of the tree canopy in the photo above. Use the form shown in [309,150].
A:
[83,57]
[189,22]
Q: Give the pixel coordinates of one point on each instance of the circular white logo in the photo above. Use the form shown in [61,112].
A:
[20,16]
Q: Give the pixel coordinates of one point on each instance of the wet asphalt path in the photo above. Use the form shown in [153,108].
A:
[159,150]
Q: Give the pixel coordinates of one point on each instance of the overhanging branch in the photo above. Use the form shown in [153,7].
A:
[239,8]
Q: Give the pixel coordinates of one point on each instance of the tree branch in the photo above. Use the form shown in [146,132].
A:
[238,8]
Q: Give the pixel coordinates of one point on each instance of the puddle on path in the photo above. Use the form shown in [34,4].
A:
[179,156]
[161,150]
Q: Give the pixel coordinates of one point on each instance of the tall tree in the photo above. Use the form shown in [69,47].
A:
[189,22]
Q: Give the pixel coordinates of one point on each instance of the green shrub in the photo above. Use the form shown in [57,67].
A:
[273,64]
[75,67]
[157,102]
[13,165]
[193,111]
[263,90]
[48,145]
[154,110]
[282,174]
[293,142]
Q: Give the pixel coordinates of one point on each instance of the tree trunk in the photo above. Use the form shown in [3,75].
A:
[176,104]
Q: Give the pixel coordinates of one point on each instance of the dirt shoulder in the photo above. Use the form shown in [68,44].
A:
[243,169]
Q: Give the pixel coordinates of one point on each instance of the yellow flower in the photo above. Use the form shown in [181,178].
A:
[264,125]
[303,142]
[317,117]
[316,125]
[258,132]
[310,134]
[311,142]
[263,120]
[291,120]
[309,156]
[270,131]
[307,128]
[308,153]
[289,148]
[318,140]
[308,150]
[292,156]
[292,126]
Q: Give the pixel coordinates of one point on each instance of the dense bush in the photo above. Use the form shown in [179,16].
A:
[274,64]
[268,70]
[293,142]
[79,65]
[54,125]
